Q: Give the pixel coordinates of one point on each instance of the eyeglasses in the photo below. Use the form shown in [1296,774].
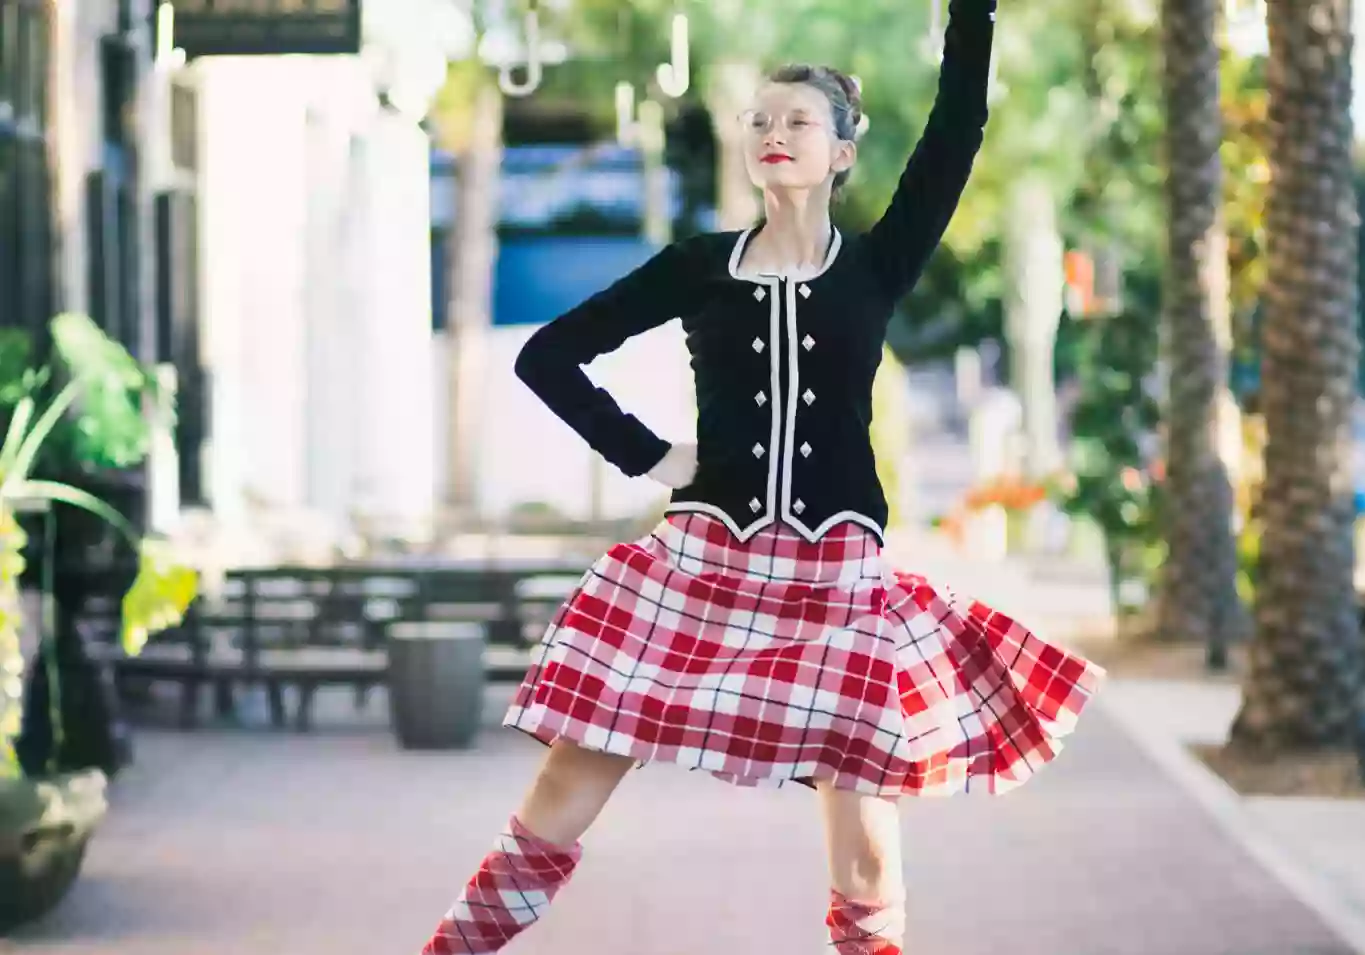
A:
[759,122]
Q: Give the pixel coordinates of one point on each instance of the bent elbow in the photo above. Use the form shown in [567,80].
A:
[530,359]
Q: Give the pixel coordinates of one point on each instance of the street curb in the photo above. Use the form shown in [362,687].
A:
[1224,805]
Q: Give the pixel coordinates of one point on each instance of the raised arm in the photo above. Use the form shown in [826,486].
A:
[901,242]
[551,362]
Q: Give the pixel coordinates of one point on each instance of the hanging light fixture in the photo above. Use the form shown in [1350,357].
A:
[167,54]
[533,58]
[625,90]
[625,113]
[675,76]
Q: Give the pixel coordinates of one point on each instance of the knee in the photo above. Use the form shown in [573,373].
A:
[865,854]
[571,774]
[571,789]
[870,872]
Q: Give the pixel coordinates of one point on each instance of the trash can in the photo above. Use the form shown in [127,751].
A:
[436,683]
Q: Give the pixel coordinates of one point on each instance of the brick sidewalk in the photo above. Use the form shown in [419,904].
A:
[251,842]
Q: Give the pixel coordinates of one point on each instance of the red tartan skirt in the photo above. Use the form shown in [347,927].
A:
[777,659]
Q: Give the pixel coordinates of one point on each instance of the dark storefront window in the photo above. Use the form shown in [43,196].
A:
[111,204]
[177,293]
[26,262]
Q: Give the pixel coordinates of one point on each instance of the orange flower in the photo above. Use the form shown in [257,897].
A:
[1011,493]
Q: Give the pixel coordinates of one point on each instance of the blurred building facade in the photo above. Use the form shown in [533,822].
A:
[78,209]
[27,288]
[261,227]
[316,326]
[256,225]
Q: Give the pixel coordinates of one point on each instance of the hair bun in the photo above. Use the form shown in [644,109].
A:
[853,89]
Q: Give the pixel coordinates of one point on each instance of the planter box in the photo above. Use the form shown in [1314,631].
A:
[436,683]
[986,534]
[45,826]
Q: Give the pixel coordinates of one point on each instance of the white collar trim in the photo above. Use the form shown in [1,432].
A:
[765,278]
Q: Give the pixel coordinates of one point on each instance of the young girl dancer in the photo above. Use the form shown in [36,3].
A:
[756,633]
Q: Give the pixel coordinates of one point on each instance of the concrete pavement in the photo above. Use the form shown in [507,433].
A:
[242,842]
[1314,845]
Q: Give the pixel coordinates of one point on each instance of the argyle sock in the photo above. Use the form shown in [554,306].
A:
[865,928]
[512,889]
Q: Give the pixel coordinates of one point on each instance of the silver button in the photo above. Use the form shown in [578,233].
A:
[758,344]
[809,396]
[755,505]
[808,343]
[805,291]
[758,450]
[798,505]
[761,398]
[805,450]
[758,294]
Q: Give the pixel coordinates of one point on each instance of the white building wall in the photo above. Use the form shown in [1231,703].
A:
[532,456]
[395,475]
[253,227]
[316,293]
[328,396]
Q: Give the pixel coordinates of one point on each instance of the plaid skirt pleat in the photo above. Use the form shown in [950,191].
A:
[780,660]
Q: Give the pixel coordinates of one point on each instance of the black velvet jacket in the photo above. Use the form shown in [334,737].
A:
[783,368]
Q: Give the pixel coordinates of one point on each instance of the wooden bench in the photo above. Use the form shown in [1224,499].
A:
[277,628]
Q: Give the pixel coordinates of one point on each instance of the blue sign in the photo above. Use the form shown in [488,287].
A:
[544,185]
[538,279]
[551,199]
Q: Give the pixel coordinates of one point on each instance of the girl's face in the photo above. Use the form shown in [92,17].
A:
[789,139]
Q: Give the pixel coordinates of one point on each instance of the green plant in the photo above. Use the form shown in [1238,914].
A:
[1112,481]
[110,430]
[102,388]
[1248,560]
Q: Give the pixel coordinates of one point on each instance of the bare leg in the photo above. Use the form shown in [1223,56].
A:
[573,786]
[535,856]
[867,885]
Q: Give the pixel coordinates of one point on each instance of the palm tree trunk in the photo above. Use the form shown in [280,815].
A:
[1198,598]
[473,254]
[1304,685]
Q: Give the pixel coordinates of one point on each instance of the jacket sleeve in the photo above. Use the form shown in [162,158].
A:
[901,242]
[551,362]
